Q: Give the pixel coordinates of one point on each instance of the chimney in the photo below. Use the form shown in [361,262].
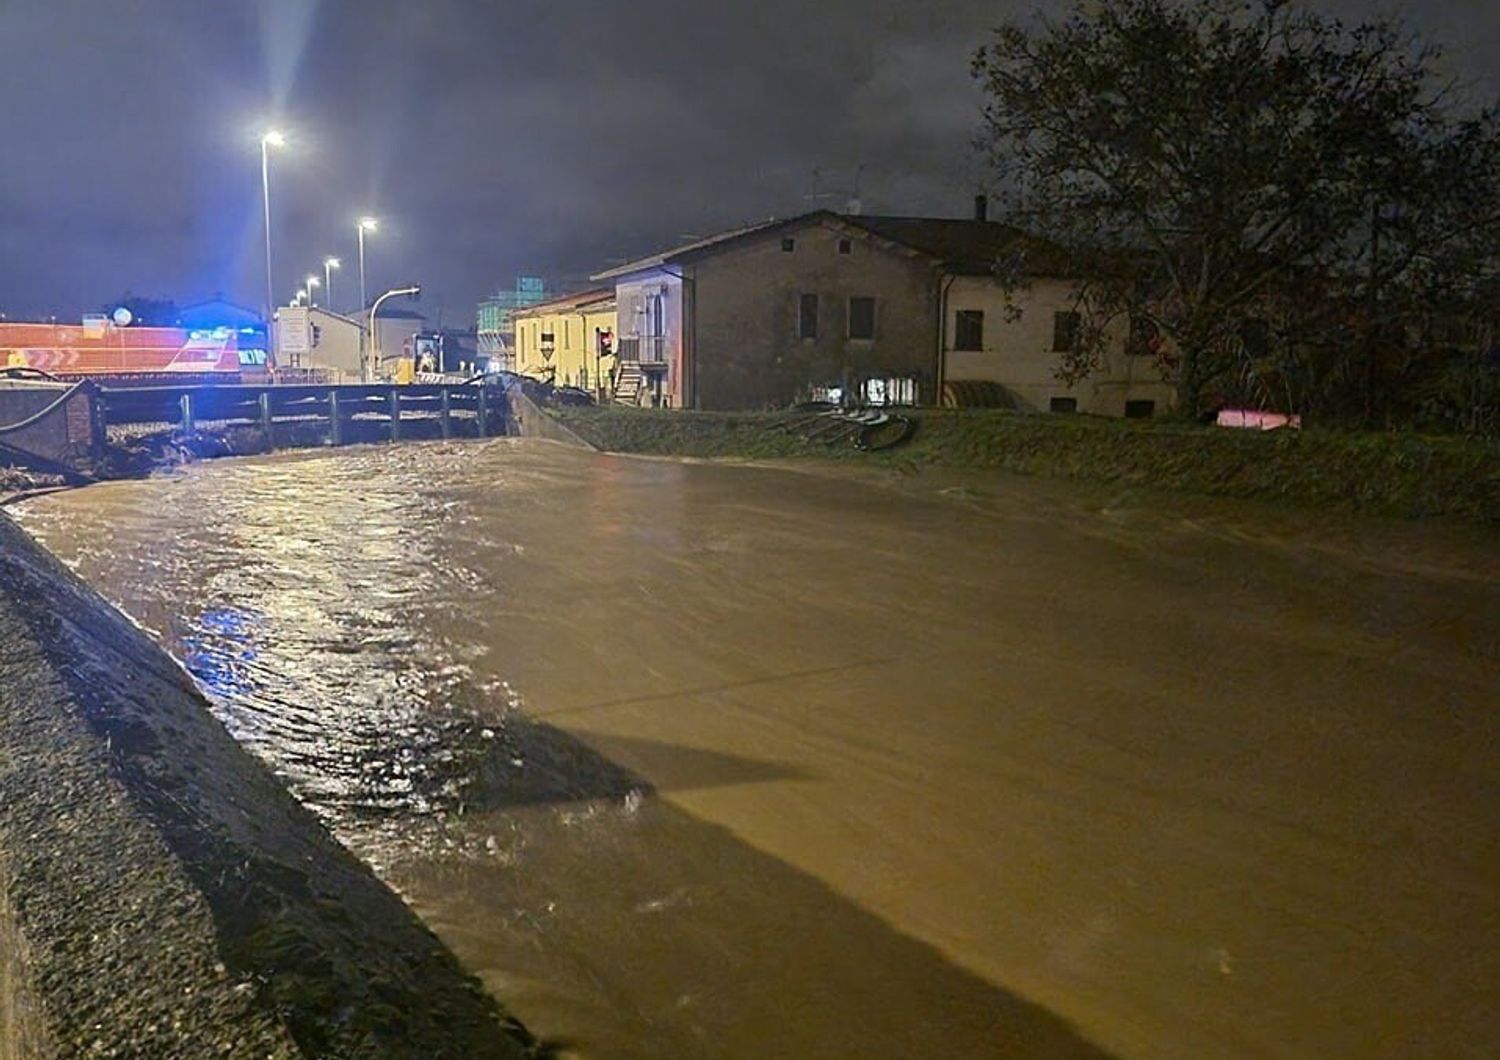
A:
[981,207]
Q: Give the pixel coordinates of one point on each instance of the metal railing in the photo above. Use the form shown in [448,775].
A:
[362,409]
[644,349]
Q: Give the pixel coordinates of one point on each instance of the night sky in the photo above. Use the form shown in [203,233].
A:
[490,137]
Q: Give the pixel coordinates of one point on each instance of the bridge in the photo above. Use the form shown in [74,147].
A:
[60,429]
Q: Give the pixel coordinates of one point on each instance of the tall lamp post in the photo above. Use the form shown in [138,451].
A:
[366,224]
[329,264]
[413,290]
[312,286]
[271,139]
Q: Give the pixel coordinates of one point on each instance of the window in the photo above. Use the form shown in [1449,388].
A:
[890,391]
[1140,410]
[846,246]
[788,245]
[968,329]
[861,318]
[807,317]
[1063,404]
[1065,332]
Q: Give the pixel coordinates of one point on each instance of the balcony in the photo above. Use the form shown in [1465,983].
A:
[649,351]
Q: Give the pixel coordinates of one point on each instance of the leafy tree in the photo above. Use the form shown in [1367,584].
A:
[1213,165]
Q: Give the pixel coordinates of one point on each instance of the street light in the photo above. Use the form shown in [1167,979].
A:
[329,264]
[272,138]
[374,359]
[312,285]
[301,297]
[366,224]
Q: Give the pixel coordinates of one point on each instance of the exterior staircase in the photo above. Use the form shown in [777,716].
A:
[628,383]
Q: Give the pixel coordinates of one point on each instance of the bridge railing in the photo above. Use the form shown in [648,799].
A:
[353,412]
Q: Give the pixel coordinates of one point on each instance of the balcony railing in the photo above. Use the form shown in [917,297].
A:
[647,350]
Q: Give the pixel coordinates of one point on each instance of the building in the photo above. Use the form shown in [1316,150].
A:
[396,331]
[569,340]
[879,310]
[495,321]
[335,345]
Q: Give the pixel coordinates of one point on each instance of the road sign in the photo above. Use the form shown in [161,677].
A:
[293,335]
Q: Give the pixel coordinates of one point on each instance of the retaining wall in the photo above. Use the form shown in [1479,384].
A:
[165,896]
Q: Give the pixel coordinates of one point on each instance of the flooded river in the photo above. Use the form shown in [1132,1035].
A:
[690,760]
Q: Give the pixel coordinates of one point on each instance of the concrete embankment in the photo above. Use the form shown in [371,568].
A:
[161,894]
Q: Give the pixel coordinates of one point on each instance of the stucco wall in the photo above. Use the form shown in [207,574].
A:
[747,351]
[573,360]
[337,350]
[1018,353]
[632,296]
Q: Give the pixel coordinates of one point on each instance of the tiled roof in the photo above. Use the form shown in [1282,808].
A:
[962,246]
[665,257]
[966,246]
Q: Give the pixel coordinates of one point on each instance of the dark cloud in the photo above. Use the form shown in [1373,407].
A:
[490,137]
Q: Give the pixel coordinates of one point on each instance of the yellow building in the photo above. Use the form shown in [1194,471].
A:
[569,340]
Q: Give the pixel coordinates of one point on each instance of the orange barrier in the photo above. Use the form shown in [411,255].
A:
[73,351]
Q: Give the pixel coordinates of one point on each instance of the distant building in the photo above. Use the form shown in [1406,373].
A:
[495,321]
[864,309]
[569,340]
[334,346]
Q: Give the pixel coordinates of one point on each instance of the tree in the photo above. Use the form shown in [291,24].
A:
[146,312]
[1214,165]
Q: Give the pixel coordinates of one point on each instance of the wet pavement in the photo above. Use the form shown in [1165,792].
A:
[698,760]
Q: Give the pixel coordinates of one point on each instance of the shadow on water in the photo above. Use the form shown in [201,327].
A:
[523,844]
[713,948]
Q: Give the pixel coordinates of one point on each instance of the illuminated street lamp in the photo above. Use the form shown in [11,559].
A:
[312,285]
[301,297]
[366,224]
[329,264]
[374,358]
[272,138]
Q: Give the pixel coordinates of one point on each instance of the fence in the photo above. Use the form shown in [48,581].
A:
[345,412]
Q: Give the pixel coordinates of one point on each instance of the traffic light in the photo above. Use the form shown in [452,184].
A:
[606,341]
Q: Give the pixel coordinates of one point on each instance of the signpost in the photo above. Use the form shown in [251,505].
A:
[293,336]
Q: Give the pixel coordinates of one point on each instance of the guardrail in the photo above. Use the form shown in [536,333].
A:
[384,410]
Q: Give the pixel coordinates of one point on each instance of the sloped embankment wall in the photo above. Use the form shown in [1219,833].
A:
[166,895]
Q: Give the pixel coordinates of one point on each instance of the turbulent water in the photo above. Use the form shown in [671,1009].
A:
[690,760]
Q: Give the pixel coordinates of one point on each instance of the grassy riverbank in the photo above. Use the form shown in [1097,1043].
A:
[1374,474]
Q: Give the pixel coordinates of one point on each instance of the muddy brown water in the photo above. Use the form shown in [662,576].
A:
[690,760]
